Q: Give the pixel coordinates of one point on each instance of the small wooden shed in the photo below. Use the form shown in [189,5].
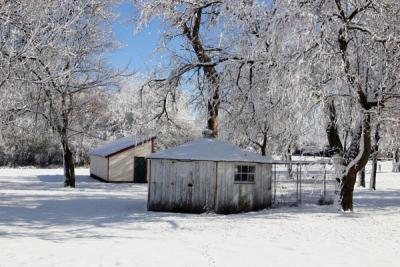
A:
[122,160]
[208,175]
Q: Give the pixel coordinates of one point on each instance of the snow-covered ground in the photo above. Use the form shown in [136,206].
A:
[98,224]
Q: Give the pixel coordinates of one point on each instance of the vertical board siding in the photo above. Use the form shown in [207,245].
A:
[238,197]
[170,190]
[185,186]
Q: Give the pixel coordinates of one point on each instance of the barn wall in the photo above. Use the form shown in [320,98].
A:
[237,197]
[121,164]
[184,186]
[98,166]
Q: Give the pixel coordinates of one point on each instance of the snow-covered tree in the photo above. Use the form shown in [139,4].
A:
[349,55]
[265,107]
[52,55]
[390,141]
[139,110]
[197,36]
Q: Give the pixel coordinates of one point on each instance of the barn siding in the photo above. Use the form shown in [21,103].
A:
[98,166]
[121,164]
[170,190]
[237,197]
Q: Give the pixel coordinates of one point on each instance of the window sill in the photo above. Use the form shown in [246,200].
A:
[236,182]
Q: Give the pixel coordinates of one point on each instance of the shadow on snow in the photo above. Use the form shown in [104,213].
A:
[40,207]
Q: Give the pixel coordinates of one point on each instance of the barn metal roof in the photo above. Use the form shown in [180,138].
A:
[211,150]
[119,145]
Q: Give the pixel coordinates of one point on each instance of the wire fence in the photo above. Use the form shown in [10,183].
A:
[303,182]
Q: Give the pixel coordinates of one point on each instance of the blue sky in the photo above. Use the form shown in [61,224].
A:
[137,48]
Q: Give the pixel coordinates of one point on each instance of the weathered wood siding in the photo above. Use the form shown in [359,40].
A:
[98,166]
[181,186]
[121,164]
[235,197]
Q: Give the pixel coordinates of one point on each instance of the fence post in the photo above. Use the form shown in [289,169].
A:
[324,180]
[300,185]
[297,182]
[274,183]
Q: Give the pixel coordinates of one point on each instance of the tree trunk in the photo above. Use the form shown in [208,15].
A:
[212,122]
[361,181]
[193,35]
[356,164]
[372,180]
[396,161]
[346,193]
[354,160]
[264,145]
[68,160]
[264,150]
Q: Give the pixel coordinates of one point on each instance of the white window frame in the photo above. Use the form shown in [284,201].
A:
[246,172]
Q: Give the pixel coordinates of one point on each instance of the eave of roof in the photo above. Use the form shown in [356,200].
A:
[206,149]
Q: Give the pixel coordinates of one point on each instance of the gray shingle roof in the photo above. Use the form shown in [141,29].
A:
[209,149]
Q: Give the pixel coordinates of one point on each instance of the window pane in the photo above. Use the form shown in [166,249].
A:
[238,169]
[237,177]
[245,169]
[250,177]
[244,177]
[252,169]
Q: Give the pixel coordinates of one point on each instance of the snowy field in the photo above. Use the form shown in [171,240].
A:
[97,224]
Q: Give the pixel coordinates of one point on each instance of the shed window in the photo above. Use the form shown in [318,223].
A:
[245,173]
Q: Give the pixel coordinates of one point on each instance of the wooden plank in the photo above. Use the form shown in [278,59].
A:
[258,192]
[231,189]
[179,189]
[161,183]
[150,186]
[211,190]
[221,187]
[166,184]
[183,177]
[196,189]
[269,181]
[217,191]
[200,181]
[153,185]
[172,171]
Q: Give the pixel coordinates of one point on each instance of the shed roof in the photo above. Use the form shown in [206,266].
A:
[210,150]
[119,145]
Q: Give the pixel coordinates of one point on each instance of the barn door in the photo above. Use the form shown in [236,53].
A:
[140,170]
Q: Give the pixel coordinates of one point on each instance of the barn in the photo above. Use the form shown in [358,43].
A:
[122,160]
[208,175]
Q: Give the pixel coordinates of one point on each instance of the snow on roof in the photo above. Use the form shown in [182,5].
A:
[119,144]
[208,149]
